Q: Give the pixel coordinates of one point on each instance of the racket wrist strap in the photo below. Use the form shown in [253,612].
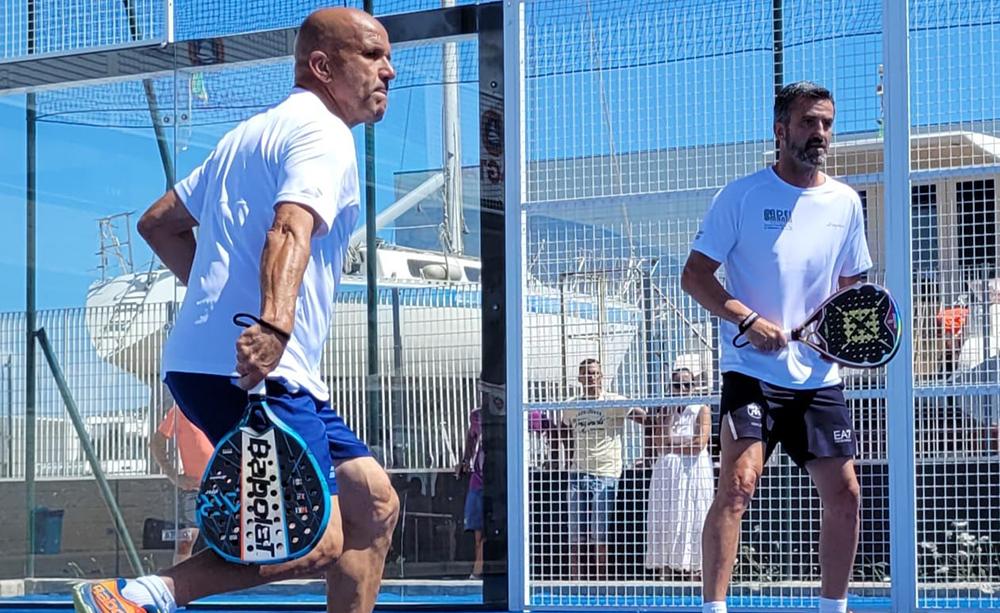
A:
[263,323]
[286,336]
[745,325]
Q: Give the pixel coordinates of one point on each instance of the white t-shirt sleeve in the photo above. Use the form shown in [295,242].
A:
[854,257]
[318,170]
[191,191]
[720,228]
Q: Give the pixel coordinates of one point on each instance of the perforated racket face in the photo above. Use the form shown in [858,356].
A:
[262,499]
[858,327]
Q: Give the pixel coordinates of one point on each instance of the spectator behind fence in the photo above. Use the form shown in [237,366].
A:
[681,487]
[184,470]
[473,460]
[596,468]
[951,327]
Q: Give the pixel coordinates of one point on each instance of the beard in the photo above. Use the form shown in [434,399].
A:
[813,153]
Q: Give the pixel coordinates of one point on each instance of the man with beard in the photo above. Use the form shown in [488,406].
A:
[789,236]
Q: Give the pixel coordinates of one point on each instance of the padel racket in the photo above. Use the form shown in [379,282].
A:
[263,499]
[859,326]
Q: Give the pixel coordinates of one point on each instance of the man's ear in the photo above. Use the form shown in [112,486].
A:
[319,66]
[779,131]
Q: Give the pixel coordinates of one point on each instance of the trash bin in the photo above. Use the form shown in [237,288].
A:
[48,530]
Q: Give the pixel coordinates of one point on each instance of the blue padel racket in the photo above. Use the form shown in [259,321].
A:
[263,499]
[859,326]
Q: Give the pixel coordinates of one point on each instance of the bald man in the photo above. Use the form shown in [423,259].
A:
[275,204]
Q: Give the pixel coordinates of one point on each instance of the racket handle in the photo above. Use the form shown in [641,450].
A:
[259,389]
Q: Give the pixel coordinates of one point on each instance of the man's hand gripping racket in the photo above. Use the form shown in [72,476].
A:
[858,326]
[262,498]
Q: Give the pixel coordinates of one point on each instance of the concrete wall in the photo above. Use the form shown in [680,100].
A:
[88,547]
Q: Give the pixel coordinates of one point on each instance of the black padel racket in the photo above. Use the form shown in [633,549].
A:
[859,326]
[262,499]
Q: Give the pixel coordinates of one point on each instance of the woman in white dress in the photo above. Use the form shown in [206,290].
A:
[681,487]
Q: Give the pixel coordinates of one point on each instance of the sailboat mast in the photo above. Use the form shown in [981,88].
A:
[454,223]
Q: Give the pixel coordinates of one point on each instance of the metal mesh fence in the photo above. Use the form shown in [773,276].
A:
[429,344]
[634,116]
[33,28]
[954,111]
[48,27]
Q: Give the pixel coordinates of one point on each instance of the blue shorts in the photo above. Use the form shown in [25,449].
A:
[215,404]
[474,510]
[591,499]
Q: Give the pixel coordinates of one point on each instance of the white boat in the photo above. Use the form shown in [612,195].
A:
[435,297]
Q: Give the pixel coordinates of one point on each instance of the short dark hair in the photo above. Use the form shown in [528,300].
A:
[584,364]
[793,91]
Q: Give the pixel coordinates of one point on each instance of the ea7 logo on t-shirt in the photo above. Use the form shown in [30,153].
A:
[777,219]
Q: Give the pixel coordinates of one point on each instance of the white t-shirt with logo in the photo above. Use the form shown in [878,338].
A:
[597,437]
[298,152]
[784,249]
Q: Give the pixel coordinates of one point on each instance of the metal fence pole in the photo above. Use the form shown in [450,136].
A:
[95,465]
[900,412]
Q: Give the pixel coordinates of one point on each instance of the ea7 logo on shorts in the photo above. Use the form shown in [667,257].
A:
[841,436]
[753,410]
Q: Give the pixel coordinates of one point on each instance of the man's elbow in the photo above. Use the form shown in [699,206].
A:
[146,227]
[688,279]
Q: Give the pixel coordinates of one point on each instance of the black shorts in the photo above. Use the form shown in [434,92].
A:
[809,424]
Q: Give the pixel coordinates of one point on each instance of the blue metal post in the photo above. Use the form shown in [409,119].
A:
[898,242]
[517,431]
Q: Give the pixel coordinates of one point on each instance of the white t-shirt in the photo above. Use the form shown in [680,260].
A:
[296,151]
[784,249]
[597,438]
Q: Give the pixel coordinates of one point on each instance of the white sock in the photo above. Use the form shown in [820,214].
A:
[150,590]
[830,605]
[714,607]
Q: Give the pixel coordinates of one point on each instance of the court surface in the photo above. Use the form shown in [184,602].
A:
[447,601]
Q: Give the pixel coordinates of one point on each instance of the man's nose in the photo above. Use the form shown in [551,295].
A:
[388,72]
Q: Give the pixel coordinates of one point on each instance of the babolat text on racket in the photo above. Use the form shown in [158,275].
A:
[263,499]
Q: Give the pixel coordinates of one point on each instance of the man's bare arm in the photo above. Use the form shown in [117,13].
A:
[158,444]
[698,280]
[282,266]
[283,263]
[168,228]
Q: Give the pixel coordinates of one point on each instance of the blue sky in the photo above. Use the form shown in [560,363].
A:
[664,78]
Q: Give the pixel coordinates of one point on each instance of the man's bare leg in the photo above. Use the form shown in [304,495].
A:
[206,574]
[601,570]
[185,546]
[741,464]
[840,493]
[577,567]
[477,564]
[369,507]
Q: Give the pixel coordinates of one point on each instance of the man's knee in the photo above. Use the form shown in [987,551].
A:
[369,502]
[846,501]
[736,490]
[384,507]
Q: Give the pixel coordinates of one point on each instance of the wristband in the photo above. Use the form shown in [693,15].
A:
[748,321]
[239,320]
